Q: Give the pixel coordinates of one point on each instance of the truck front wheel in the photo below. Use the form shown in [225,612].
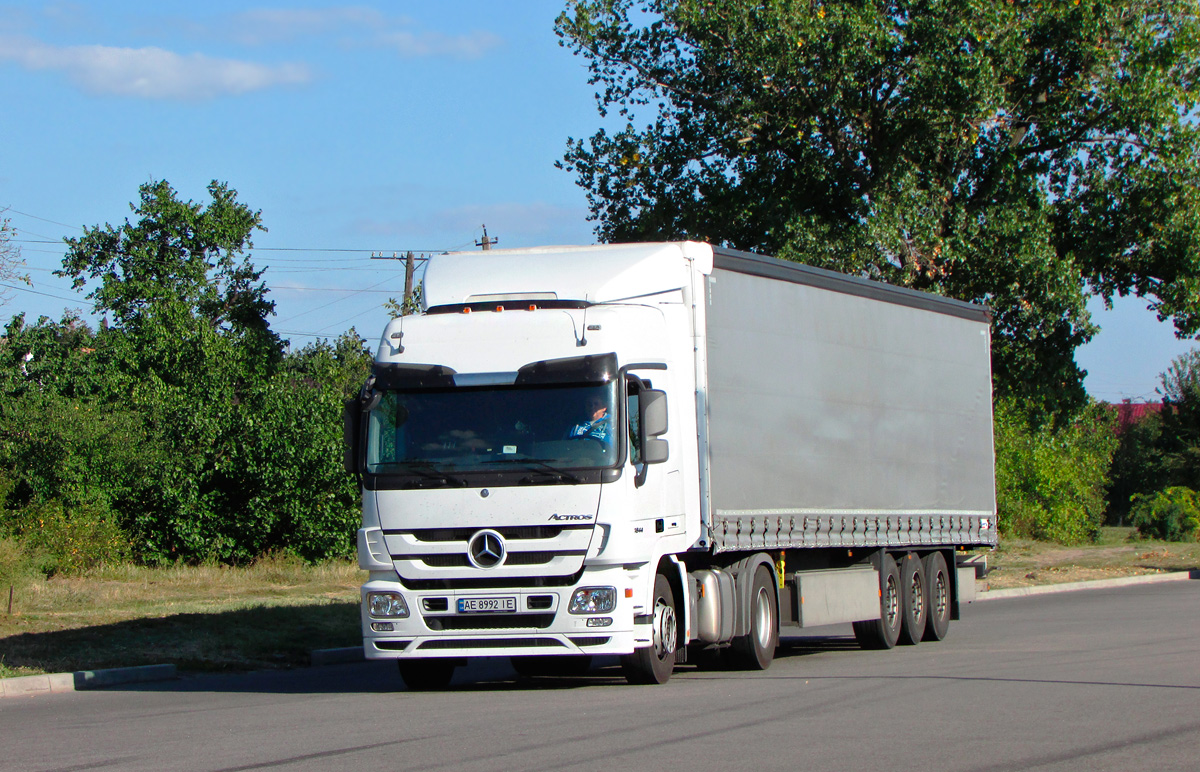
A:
[654,664]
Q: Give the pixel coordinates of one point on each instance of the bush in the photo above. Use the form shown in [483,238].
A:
[1171,515]
[21,565]
[71,539]
[1050,480]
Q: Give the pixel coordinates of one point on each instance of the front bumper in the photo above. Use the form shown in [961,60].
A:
[540,624]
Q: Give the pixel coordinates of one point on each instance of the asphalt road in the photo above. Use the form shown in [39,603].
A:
[1097,680]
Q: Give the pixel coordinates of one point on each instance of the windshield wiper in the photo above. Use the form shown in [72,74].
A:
[427,471]
[540,467]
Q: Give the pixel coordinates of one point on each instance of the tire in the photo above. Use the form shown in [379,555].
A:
[756,649]
[654,664]
[424,675]
[937,597]
[883,633]
[552,667]
[913,597]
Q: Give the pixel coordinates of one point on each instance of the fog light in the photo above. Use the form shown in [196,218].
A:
[386,627]
[387,604]
[593,600]
[599,621]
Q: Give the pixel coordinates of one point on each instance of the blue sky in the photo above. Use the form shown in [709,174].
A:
[373,127]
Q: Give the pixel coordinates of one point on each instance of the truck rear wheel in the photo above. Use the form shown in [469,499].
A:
[756,649]
[423,675]
[883,633]
[912,596]
[654,664]
[937,589]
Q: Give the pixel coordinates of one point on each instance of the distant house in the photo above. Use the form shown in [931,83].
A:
[1130,413]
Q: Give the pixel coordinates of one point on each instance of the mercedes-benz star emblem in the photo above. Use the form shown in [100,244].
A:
[486,549]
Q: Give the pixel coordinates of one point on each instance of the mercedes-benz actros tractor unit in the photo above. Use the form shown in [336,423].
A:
[665,451]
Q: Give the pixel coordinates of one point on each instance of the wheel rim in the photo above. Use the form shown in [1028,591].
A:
[892,602]
[918,597]
[762,618]
[664,629]
[941,596]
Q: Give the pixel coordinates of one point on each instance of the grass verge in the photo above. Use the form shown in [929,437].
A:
[1119,552]
[267,615]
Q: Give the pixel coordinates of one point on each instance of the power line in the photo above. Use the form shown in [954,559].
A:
[335,302]
[352,318]
[46,294]
[43,219]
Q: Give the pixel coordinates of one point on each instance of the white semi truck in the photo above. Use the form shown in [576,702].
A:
[659,451]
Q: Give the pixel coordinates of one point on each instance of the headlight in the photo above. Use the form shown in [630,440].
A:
[386,604]
[593,600]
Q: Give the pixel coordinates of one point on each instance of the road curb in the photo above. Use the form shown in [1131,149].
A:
[1097,584]
[55,683]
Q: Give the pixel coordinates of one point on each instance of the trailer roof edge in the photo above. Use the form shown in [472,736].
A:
[798,273]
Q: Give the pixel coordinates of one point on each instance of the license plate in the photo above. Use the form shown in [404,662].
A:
[486,605]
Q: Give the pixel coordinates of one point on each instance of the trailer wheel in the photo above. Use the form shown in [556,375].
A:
[937,589]
[423,675]
[913,595]
[654,664]
[756,649]
[883,633]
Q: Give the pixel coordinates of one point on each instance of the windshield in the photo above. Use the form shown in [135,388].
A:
[551,428]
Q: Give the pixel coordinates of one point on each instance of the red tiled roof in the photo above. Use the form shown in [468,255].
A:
[1130,413]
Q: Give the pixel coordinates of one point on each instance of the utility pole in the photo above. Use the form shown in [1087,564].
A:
[406,306]
[486,243]
[408,279]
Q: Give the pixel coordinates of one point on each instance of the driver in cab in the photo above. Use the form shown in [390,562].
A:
[596,424]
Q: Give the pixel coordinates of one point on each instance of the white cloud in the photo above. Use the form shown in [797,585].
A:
[470,46]
[270,25]
[151,73]
[356,26]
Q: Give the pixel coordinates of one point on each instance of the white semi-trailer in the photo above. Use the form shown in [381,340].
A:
[652,450]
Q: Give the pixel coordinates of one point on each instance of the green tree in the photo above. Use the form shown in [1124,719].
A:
[1161,451]
[180,265]
[1180,438]
[1050,480]
[1027,155]
[222,447]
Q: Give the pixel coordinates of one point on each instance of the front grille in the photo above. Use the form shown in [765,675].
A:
[493,643]
[512,559]
[539,602]
[582,642]
[509,533]
[433,585]
[435,604]
[491,622]
[442,561]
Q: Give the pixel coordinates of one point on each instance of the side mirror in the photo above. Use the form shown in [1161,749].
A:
[652,410]
[351,423]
